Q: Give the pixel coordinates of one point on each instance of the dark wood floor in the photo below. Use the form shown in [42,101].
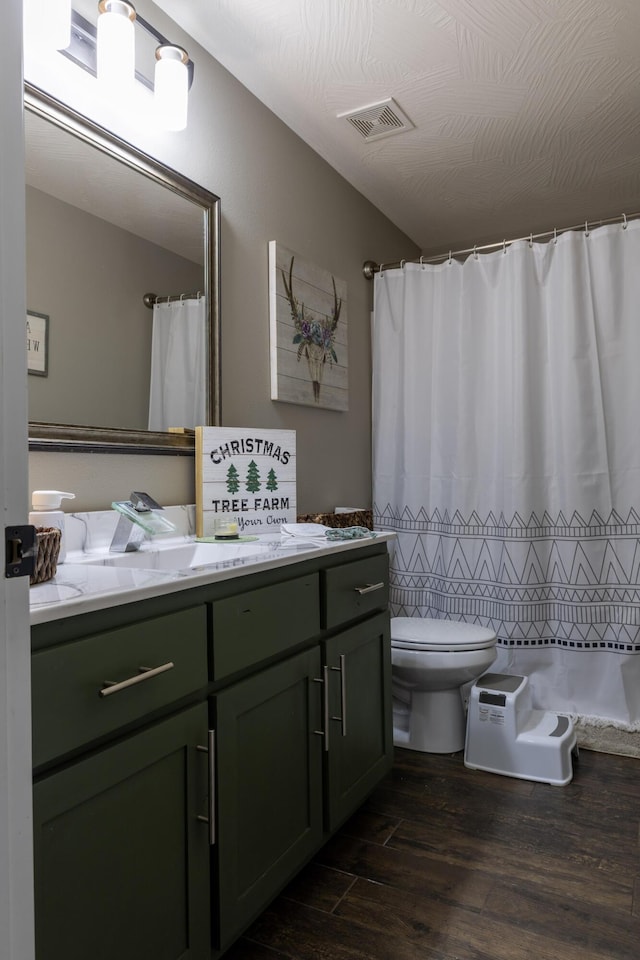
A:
[445,863]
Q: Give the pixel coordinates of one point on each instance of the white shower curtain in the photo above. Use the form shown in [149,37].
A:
[506,411]
[178,365]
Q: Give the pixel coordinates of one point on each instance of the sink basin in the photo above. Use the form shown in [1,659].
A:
[185,556]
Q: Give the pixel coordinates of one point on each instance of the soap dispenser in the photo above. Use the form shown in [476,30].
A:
[46,512]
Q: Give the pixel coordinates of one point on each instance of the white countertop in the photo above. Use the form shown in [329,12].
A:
[83,587]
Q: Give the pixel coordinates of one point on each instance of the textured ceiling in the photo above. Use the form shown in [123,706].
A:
[526,112]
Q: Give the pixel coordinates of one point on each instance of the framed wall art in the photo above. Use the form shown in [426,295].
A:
[308,327]
[37,344]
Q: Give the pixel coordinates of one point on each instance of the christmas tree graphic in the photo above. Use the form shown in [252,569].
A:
[253,478]
[272,480]
[233,482]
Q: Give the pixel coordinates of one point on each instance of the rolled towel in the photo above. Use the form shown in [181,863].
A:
[304,531]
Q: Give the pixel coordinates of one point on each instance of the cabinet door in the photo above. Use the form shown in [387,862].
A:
[268,786]
[121,860]
[361,723]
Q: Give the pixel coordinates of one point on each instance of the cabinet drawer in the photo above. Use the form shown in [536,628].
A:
[261,623]
[71,706]
[355,589]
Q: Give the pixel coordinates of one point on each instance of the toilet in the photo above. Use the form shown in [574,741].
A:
[430,661]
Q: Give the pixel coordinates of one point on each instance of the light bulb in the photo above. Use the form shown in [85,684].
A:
[116,45]
[171,86]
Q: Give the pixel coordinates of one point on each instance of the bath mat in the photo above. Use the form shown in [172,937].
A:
[607,739]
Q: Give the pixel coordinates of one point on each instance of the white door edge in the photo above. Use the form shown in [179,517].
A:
[16,843]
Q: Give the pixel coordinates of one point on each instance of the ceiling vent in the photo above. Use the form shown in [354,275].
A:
[378,120]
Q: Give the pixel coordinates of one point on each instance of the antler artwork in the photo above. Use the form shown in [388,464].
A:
[315,334]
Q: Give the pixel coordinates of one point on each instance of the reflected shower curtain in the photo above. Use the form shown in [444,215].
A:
[506,455]
[178,365]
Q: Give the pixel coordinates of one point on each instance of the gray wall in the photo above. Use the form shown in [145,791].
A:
[89,278]
[272,187]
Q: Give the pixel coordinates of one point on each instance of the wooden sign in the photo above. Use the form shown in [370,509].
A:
[247,476]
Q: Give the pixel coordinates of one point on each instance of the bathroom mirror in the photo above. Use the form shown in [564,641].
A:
[107,225]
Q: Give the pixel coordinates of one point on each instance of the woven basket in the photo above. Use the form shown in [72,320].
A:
[360,518]
[48,549]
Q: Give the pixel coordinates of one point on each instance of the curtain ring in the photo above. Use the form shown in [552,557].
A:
[530,239]
[586,228]
[381,269]
[421,263]
[475,252]
[504,246]
[555,234]
[450,258]
[402,263]
[625,223]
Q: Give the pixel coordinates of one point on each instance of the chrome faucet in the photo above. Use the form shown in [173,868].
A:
[139,517]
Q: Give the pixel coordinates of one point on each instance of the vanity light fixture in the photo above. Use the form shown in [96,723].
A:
[116,57]
[171,86]
[122,48]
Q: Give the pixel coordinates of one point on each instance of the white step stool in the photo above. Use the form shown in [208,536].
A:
[506,735]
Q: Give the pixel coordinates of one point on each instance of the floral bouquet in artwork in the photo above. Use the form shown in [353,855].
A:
[314,334]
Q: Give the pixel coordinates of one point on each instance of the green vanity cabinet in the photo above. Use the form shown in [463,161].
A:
[121,859]
[268,787]
[194,749]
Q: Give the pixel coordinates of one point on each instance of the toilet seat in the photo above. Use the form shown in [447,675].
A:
[417,633]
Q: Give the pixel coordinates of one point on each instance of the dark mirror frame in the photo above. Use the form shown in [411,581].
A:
[53,436]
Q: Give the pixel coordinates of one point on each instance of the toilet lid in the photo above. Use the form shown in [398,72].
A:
[416,633]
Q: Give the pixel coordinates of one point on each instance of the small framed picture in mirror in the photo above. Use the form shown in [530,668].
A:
[37,344]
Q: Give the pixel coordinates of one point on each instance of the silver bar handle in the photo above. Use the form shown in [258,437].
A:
[211,769]
[325,707]
[342,670]
[146,673]
[369,588]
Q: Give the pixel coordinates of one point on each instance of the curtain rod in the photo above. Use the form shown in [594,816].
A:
[150,299]
[370,267]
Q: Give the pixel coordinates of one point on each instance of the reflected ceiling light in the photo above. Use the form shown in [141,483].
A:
[49,22]
[116,58]
[171,86]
